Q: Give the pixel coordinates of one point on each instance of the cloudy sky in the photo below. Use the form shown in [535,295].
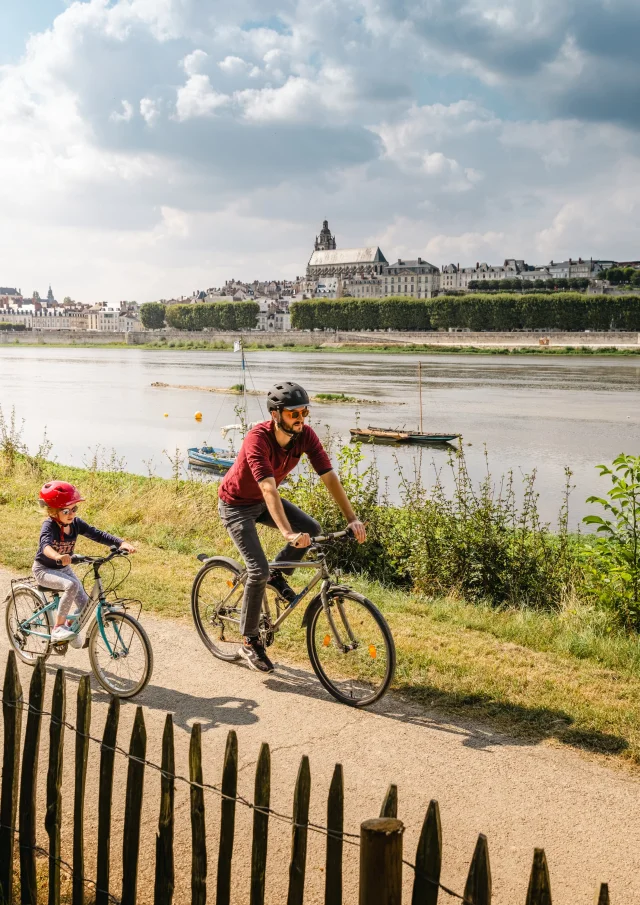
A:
[152,147]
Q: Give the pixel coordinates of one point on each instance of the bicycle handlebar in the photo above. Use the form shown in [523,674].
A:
[92,560]
[323,538]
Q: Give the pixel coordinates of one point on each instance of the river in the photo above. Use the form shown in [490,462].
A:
[530,413]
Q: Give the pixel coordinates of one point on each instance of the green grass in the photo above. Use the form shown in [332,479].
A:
[569,675]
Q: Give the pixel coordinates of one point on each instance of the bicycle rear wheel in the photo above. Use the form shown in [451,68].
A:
[359,668]
[19,606]
[124,666]
[216,602]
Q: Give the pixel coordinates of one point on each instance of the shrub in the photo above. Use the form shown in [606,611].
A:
[613,557]
[214,316]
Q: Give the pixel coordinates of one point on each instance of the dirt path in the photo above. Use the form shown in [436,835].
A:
[584,814]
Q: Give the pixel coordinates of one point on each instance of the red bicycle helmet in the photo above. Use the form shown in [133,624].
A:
[60,494]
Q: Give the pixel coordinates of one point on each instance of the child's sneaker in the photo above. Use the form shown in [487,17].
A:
[62,633]
[76,641]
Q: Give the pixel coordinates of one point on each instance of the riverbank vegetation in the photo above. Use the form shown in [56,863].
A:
[496,616]
[568,311]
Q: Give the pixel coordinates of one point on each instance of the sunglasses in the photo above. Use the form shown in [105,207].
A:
[298,413]
[69,511]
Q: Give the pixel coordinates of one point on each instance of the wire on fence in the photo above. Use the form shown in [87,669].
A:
[39,850]
[349,838]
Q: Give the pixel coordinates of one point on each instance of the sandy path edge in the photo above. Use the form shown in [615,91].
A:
[520,795]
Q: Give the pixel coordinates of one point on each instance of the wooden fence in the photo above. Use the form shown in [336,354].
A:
[379,842]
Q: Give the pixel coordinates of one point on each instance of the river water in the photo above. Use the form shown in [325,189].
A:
[530,413]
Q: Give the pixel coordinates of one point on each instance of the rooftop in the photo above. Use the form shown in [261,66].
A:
[370,255]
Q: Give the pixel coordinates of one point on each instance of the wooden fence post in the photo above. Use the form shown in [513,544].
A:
[390,803]
[53,816]
[105,794]
[83,724]
[165,877]
[602,894]
[428,859]
[198,832]
[133,809]
[298,864]
[381,861]
[261,799]
[28,787]
[335,826]
[539,892]
[227,819]
[12,703]
[478,887]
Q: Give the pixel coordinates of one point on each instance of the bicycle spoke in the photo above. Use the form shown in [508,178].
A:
[123,666]
[216,605]
[351,650]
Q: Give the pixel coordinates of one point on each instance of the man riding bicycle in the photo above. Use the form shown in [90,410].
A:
[248,495]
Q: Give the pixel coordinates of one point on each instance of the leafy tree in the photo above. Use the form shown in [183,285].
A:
[36,295]
[152,315]
[67,300]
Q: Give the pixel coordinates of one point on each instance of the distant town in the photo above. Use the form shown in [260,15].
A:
[331,272]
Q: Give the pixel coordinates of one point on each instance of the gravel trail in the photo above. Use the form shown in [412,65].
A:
[584,813]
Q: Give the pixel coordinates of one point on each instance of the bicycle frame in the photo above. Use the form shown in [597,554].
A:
[96,602]
[323,576]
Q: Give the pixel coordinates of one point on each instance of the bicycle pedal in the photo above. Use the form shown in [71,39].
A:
[61,648]
[86,643]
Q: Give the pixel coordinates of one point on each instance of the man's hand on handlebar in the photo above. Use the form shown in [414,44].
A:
[358,530]
[126,547]
[298,539]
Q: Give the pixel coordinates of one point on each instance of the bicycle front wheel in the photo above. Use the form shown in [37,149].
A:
[355,657]
[124,662]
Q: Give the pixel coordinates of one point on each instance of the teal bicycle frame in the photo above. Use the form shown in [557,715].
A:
[96,602]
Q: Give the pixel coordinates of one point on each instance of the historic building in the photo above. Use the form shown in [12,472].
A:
[329,261]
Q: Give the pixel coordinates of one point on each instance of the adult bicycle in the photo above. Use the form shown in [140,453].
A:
[348,640]
[119,649]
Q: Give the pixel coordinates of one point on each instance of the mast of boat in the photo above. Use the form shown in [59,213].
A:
[244,379]
[420,391]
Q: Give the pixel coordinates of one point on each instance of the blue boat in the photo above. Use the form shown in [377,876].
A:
[210,457]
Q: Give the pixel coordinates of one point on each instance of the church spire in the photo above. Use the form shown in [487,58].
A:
[325,242]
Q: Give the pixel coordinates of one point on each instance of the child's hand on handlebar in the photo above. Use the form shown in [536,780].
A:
[126,547]
[65,560]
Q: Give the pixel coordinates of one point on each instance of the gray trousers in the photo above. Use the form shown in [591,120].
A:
[64,580]
[240,522]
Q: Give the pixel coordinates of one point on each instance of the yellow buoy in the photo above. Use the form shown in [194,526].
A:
[198,416]
[166,414]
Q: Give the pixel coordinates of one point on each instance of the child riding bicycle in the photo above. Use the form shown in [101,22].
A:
[52,565]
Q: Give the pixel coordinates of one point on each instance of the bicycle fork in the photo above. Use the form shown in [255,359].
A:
[326,606]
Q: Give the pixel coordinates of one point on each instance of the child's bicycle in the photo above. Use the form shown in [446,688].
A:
[119,648]
[348,640]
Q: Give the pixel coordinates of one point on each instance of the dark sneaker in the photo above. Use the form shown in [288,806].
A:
[253,652]
[279,583]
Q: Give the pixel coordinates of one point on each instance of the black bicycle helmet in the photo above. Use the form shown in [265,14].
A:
[286,395]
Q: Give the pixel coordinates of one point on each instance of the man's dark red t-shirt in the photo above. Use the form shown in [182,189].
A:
[261,456]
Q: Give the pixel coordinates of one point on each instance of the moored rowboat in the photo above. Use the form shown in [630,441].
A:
[399,436]
[210,457]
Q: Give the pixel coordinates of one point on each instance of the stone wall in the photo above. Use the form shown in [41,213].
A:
[514,340]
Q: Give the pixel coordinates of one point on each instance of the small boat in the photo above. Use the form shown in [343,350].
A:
[210,457]
[400,435]
[380,433]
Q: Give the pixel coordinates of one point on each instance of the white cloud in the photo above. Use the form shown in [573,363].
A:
[197,98]
[149,111]
[234,65]
[124,115]
[138,135]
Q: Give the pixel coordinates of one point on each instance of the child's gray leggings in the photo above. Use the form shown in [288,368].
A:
[64,580]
